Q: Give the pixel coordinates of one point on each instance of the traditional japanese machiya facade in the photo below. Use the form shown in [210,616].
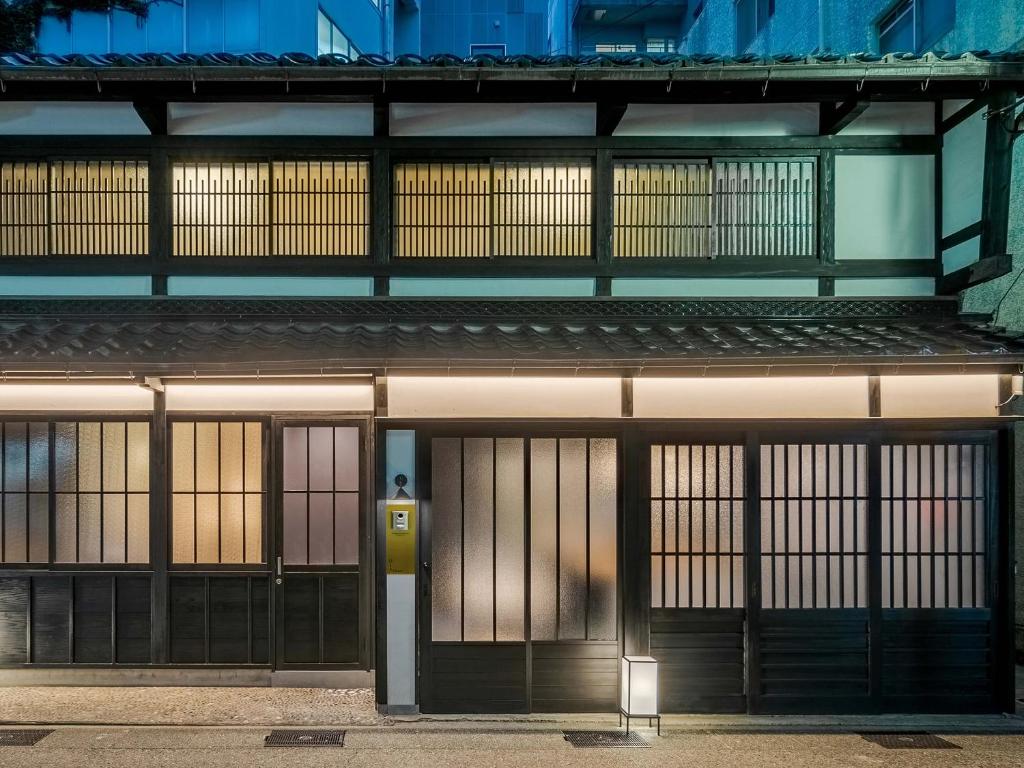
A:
[463,379]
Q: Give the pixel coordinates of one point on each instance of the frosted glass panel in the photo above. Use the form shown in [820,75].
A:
[321,459]
[814,526]
[446,539]
[321,526]
[294,528]
[572,526]
[346,459]
[294,448]
[15,456]
[183,456]
[15,527]
[231,457]
[115,528]
[138,457]
[183,529]
[543,538]
[115,458]
[603,539]
[509,519]
[346,528]
[231,525]
[207,457]
[89,516]
[66,457]
[218,523]
[478,547]
[933,525]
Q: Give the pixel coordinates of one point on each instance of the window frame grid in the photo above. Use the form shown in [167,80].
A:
[266,205]
[812,233]
[736,497]
[982,555]
[51,419]
[360,493]
[861,522]
[48,164]
[491,162]
[264,565]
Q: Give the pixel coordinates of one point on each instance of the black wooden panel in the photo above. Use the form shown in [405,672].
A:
[229,620]
[341,618]
[575,677]
[51,616]
[938,660]
[814,661]
[700,655]
[476,678]
[134,619]
[260,619]
[187,601]
[14,599]
[301,619]
[93,629]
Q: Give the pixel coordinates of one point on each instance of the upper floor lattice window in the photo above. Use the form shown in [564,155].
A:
[502,208]
[74,208]
[728,207]
[281,208]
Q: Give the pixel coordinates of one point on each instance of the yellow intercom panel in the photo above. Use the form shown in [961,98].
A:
[401,536]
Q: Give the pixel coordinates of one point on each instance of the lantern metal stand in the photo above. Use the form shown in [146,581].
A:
[639,690]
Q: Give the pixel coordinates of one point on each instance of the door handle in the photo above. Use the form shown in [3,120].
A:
[426,566]
[278,565]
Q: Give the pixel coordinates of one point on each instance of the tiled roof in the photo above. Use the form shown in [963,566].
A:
[937,64]
[197,335]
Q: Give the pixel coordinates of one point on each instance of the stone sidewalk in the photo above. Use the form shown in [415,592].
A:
[188,706]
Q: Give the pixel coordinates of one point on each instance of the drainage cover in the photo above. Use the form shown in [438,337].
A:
[22,738]
[305,739]
[909,741]
[587,739]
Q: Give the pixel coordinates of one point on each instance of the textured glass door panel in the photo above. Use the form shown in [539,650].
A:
[321,516]
[446,539]
[543,539]
[321,529]
[478,546]
[603,539]
[509,521]
[572,527]
[294,457]
[321,459]
[346,528]
[346,459]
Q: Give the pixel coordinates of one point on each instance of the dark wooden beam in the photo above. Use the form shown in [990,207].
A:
[998,169]
[961,236]
[153,114]
[381,117]
[608,117]
[836,116]
[962,114]
[980,271]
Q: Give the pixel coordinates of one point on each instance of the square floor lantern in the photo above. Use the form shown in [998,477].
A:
[639,697]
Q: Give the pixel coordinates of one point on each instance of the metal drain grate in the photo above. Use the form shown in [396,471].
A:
[22,738]
[305,739]
[590,739]
[919,740]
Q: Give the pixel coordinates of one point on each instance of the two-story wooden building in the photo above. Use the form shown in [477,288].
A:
[656,354]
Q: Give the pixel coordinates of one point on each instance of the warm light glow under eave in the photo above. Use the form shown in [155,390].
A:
[495,397]
[270,397]
[762,397]
[29,398]
[940,396]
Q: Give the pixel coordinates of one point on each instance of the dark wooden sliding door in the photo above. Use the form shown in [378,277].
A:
[322,611]
[519,577]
